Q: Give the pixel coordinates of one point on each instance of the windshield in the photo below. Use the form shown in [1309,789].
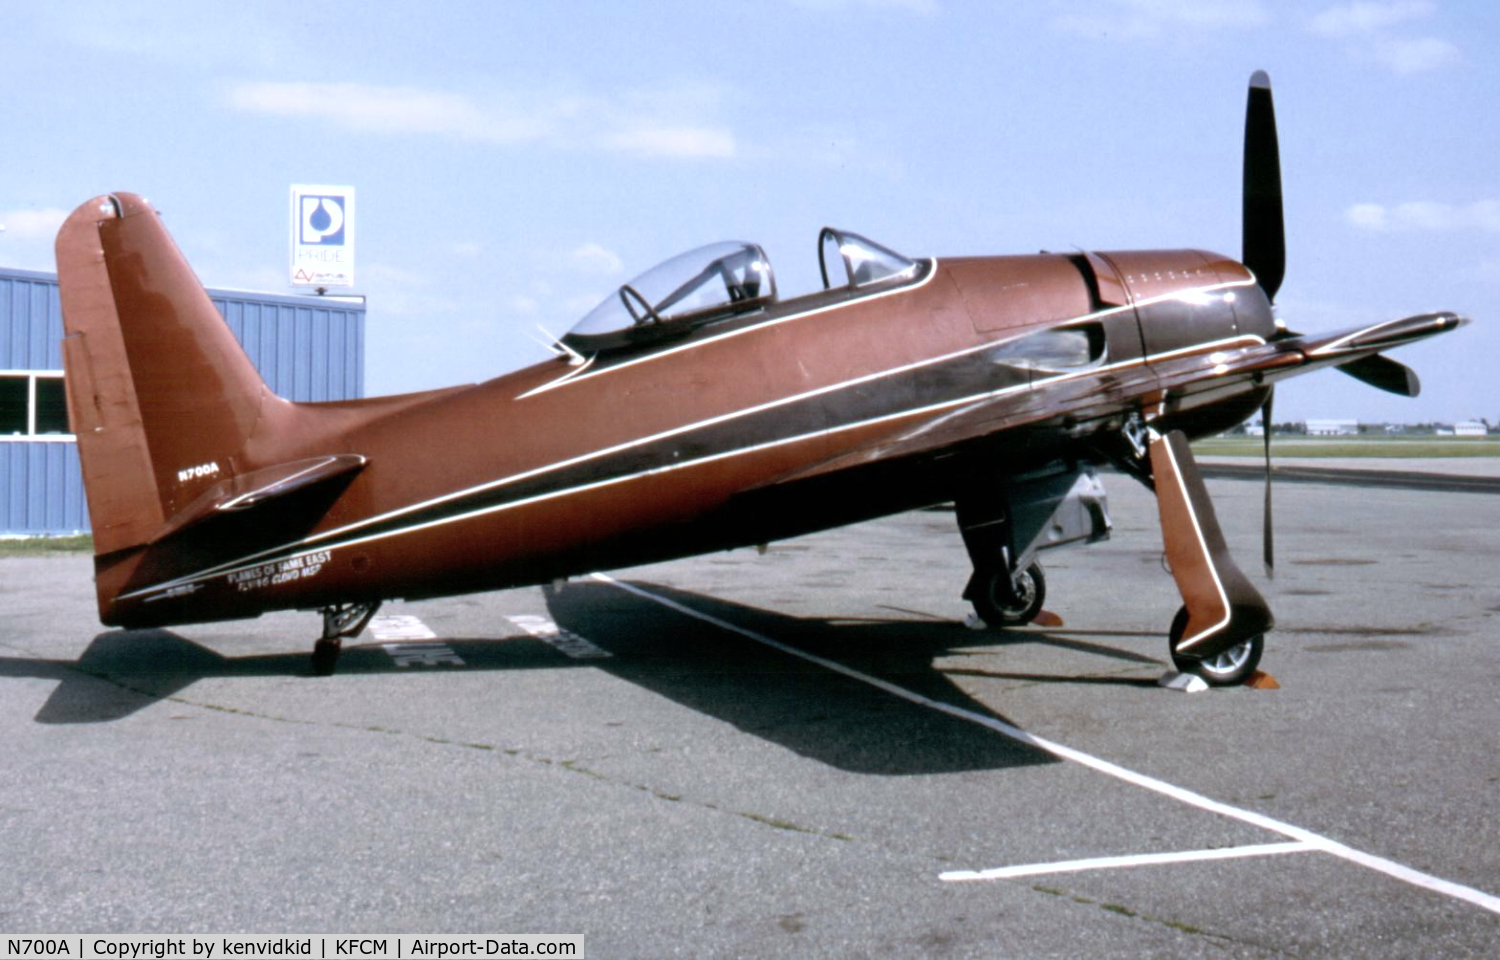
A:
[850,260]
[719,278]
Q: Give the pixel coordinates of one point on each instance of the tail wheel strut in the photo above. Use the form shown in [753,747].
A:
[339,621]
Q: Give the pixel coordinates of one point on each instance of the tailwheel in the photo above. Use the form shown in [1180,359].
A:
[325,656]
[1228,669]
[339,620]
[1002,600]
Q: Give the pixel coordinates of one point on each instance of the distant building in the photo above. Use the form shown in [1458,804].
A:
[1470,428]
[306,348]
[1332,428]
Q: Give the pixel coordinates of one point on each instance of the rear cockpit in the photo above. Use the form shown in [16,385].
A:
[728,281]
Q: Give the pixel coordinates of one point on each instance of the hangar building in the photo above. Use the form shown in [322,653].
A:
[306,348]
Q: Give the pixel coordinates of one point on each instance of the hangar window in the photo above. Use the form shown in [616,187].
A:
[33,405]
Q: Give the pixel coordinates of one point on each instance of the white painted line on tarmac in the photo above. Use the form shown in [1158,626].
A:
[1133,860]
[399,627]
[406,642]
[565,641]
[422,654]
[1390,868]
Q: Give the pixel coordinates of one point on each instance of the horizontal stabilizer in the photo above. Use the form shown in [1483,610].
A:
[1384,373]
[257,487]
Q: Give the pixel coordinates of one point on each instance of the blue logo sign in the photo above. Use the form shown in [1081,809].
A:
[322,235]
[321,221]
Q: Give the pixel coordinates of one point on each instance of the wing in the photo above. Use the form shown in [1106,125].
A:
[1068,403]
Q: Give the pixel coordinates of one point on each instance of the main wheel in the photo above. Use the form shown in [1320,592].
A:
[1228,669]
[1002,602]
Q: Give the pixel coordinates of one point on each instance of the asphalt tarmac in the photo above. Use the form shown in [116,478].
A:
[801,753]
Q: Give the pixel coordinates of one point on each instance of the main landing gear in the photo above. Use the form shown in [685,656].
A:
[339,621]
[1219,634]
[1007,522]
[1002,599]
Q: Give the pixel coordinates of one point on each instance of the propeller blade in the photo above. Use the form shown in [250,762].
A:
[1389,375]
[1263,234]
[1267,535]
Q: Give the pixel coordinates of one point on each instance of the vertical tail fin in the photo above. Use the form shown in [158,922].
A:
[161,396]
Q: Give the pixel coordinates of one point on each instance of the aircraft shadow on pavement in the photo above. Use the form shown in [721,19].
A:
[769,694]
[124,671]
[803,706]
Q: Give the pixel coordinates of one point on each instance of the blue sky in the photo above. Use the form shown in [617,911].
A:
[516,161]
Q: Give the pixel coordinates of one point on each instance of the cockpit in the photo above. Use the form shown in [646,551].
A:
[723,281]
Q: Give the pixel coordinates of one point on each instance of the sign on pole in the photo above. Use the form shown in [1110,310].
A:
[322,236]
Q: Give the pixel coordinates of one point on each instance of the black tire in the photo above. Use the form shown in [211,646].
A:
[325,656]
[1229,669]
[999,607]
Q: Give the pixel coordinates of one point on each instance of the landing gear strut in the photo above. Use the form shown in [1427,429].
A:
[339,621]
[1219,633]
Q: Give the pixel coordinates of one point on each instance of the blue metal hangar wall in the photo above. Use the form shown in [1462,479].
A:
[306,348]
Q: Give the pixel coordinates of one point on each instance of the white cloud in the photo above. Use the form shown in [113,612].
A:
[683,142]
[1426,216]
[1366,216]
[388,110]
[594,259]
[919,7]
[1150,19]
[1417,56]
[33,224]
[1368,17]
[661,124]
[1367,29]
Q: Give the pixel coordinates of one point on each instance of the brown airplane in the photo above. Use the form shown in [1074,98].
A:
[694,410]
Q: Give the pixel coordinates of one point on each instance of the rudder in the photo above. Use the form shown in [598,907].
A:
[161,396]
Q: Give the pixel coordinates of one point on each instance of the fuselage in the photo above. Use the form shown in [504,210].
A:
[702,442]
